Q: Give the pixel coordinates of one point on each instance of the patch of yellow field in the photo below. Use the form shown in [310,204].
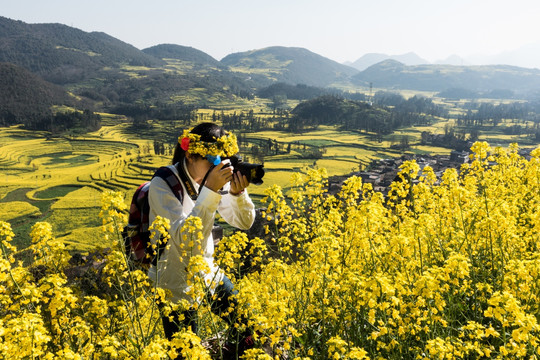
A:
[85,239]
[434,150]
[82,198]
[338,167]
[344,151]
[287,164]
[280,178]
[65,221]
[14,209]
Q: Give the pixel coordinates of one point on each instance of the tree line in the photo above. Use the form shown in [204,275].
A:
[61,122]
[383,117]
[140,113]
[351,115]
[481,113]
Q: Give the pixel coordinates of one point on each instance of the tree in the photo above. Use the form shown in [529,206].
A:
[404,142]
[279,102]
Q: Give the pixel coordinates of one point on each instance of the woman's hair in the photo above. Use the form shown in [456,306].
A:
[208,132]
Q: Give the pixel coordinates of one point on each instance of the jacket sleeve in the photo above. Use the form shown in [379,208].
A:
[163,203]
[238,211]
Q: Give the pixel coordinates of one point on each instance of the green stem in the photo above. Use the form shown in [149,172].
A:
[30,305]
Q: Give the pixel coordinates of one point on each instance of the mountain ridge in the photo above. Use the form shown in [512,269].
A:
[183,53]
[370,59]
[291,65]
[62,54]
[433,77]
[26,96]
[109,71]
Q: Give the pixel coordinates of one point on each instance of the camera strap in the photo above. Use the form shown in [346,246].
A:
[187,183]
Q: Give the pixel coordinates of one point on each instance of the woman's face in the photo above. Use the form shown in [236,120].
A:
[197,167]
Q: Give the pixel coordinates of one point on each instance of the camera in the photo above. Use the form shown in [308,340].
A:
[253,172]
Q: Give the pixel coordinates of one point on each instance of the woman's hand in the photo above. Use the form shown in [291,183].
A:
[238,183]
[219,176]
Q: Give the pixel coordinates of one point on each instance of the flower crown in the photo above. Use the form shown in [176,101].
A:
[224,146]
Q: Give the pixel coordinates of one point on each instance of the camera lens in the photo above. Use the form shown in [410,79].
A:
[253,172]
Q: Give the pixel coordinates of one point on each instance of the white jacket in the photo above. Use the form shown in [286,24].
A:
[170,272]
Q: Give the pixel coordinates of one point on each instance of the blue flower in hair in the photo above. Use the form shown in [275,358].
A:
[214,160]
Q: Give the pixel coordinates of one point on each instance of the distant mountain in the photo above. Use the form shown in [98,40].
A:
[289,65]
[95,67]
[395,75]
[182,53]
[63,54]
[26,97]
[111,73]
[453,60]
[527,56]
[410,58]
[370,59]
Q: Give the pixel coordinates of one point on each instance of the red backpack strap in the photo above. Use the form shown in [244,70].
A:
[136,206]
[135,234]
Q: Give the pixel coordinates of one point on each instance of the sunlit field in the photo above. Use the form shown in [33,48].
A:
[441,269]
[15,209]
[59,179]
[62,177]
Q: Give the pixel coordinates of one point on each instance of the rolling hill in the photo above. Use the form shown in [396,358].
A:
[370,59]
[25,96]
[395,75]
[62,54]
[289,65]
[182,53]
[113,74]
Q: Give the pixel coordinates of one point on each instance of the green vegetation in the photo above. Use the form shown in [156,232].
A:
[290,65]
[26,97]
[55,192]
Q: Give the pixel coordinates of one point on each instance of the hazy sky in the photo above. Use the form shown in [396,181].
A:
[342,30]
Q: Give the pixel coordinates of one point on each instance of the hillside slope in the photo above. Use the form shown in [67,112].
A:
[62,54]
[370,59]
[290,65]
[182,53]
[25,96]
[393,74]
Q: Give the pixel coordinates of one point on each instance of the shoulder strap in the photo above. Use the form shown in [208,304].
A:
[172,180]
[136,208]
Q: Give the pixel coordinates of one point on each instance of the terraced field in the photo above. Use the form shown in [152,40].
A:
[60,180]
[63,178]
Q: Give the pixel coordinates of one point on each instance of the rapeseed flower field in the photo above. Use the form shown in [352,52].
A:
[443,268]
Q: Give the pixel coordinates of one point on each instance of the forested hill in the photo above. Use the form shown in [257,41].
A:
[26,97]
[62,54]
[183,53]
[393,74]
[115,77]
[290,65]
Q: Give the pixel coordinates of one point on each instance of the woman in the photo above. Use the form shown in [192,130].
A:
[209,185]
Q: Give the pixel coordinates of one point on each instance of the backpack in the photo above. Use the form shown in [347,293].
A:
[136,235]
